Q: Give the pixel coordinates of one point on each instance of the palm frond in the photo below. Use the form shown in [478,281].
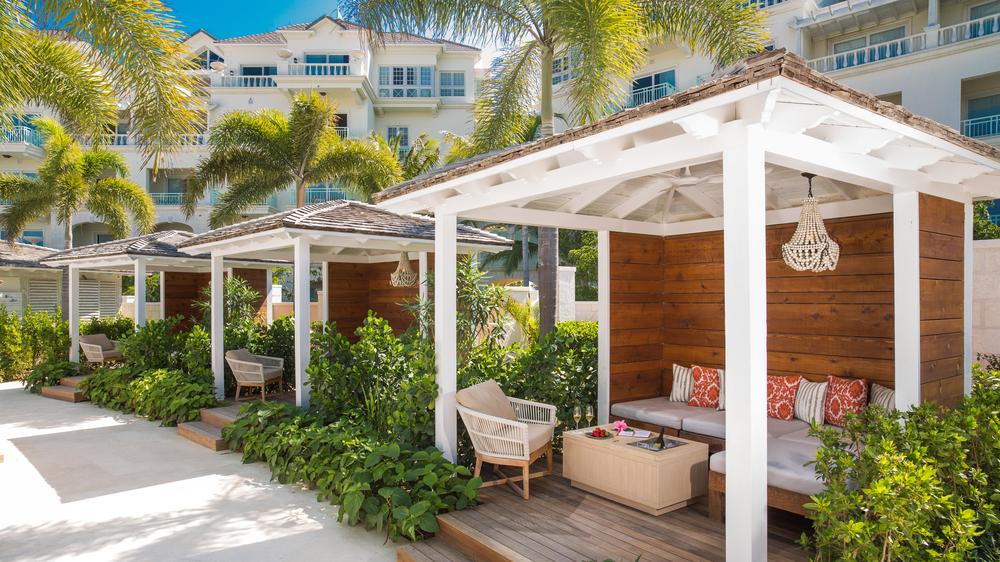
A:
[508,95]
[131,197]
[15,49]
[724,30]
[311,117]
[140,47]
[245,193]
[459,147]
[362,166]
[112,213]
[98,161]
[23,211]
[423,156]
[607,39]
[500,22]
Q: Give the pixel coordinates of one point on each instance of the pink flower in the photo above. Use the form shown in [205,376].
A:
[620,426]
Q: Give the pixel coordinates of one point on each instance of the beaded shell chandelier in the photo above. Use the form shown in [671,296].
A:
[811,247]
[404,276]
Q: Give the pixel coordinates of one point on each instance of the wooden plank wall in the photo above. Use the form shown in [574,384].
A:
[838,322]
[357,288]
[180,290]
[942,231]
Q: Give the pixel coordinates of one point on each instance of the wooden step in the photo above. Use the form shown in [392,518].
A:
[219,417]
[63,392]
[72,381]
[203,434]
[473,543]
[430,550]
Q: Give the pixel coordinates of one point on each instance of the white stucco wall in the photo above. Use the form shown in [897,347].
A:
[986,297]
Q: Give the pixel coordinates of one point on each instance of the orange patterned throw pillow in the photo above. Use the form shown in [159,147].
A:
[781,393]
[707,387]
[842,397]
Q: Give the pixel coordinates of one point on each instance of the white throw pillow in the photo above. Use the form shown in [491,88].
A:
[722,389]
[810,400]
[885,397]
[683,383]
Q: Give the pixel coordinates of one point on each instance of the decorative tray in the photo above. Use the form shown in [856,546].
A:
[655,444]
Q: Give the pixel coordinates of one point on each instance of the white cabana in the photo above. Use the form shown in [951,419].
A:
[337,234]
[727,156]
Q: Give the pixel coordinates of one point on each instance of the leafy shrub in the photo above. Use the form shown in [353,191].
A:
[381,382]
[45,336]
[382,485]
[196,358]
[989,361]
[239,304]
[13,361]
[49,373]
[915,485]
[170,396]
[276,340]
[116,327]
[157,345]
[109,387]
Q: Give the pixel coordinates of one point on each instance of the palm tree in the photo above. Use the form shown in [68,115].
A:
[103,54]
[420,157]
[257,154]
[71,179]
[604,39]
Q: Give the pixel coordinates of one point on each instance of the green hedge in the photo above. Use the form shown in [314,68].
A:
[377,483]
[31,339]
[49,373]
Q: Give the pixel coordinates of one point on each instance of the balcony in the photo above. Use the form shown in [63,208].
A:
[115,139]
[761,4]
[343,132]
[21,140]
[319,69]
[167,199]
[264,206]
[245,82]
[649,93]
[988,126]
[323,193]
[932,39]
[197,139]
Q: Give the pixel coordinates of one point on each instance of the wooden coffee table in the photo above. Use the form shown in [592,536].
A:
[652,481]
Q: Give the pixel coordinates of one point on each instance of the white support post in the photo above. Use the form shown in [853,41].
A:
[933,22]
[218,326]
[163,295]
[268,287]
[445,334]
[603,326]
[745,254]
[967,261]
[324,293]
[422,276]
[302,321]
[74,312]
[906,298]
[140,292]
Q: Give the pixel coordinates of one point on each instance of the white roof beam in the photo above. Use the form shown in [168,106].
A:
[640,197]
[663,214]
[797,117]
[694,194]
[910,157]
[954,172]
[855,138]
[583,199]
[536,217]
[758,108]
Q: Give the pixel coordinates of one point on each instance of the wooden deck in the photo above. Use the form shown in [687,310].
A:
[562,524]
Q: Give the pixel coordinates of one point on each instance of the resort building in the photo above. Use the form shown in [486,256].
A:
[409,86]
[937,58]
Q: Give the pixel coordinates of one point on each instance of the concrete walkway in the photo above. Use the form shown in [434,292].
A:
[82,483]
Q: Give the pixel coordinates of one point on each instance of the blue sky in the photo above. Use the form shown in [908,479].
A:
[231,18]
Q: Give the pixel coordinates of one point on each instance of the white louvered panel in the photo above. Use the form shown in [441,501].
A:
[90,298]
[111,298]
[43,295]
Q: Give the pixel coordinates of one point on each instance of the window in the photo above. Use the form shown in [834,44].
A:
[871,48]
[327,65]
[850,45]
[452,84]
[653,86]
[31,237]
[205,59]
[984,10]
[176,185]
[402,132]
[258,70]
[406,81]
[100,238]
[564,67]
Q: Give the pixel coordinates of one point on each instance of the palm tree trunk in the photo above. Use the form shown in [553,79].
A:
[300,193]
[525,257]
[68,234]
[548,238]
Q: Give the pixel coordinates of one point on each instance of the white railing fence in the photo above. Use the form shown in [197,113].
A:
[969,30]
[247,82]
[873,53]
[650,93]
[21,135]
[319,69]
[988,126]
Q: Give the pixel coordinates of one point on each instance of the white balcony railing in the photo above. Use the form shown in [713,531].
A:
[319,69]
[650,93]
[761,4]
[323,193]
[967,30]
[21,135]
[247,82]
[167,199]
[193,140]
[342,131]
[988,126]
[115,139]
[873,53]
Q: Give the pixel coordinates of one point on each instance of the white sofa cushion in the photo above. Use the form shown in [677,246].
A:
[801,436]
[657,411]
[778,428]
[712,424]
[786,466]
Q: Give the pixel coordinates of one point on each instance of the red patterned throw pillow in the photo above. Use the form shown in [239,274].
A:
[842,397]
[707,387]
[781,391]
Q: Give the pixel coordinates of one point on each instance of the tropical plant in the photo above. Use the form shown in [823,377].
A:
[171,396]
[108,387]
[45,336]
[156,345]
[239,304]
[519,255]
[603,40]
[49,373]
[71,179]
[258,154]
[982,227]
[584,257]
[116,327]
[104,56]
[421,156]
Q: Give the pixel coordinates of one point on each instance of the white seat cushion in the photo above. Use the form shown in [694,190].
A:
[539,435]
[777,428]
[712,424]
[802,436]
[657,411]
[786,466]
[487,398]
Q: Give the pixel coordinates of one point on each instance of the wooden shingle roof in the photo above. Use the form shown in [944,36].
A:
[23,255]
[157,244]
[349,217]
[752,70]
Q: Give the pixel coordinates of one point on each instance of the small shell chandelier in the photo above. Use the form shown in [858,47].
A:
[404,276]
[811,248]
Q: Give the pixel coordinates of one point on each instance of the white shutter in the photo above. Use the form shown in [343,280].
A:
[111,298]
[90,298]
[43,295]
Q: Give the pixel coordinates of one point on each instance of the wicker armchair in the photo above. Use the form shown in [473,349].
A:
[97,348]
[507,432]
[251,370]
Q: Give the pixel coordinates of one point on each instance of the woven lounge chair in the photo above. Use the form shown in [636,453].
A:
[255,370]
[97,348]
[507,431]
